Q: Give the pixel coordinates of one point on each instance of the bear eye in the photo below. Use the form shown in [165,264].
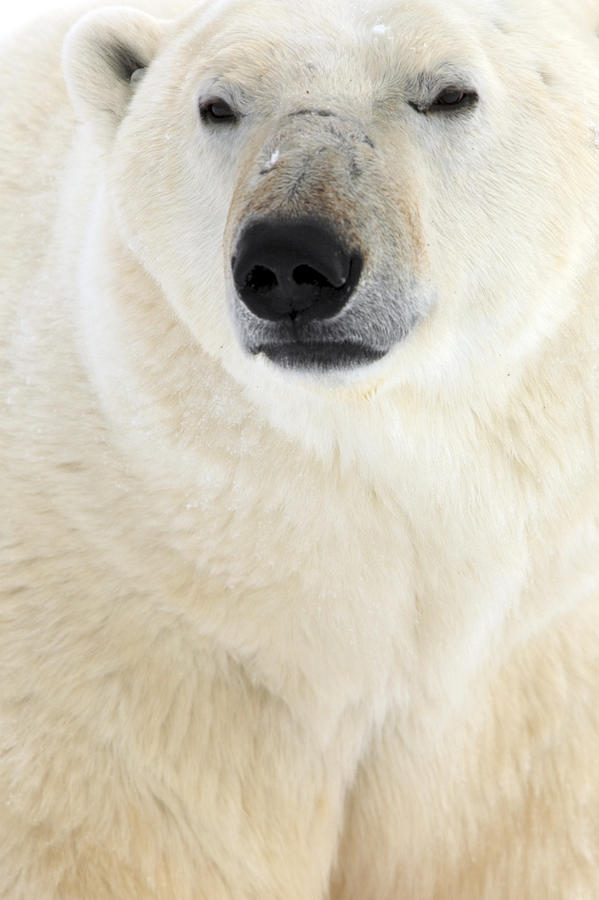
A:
[217,111]
[452,98]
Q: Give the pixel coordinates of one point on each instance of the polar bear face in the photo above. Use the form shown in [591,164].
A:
[346,193]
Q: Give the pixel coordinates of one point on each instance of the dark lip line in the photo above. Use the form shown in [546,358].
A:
[310,345]
[319,353]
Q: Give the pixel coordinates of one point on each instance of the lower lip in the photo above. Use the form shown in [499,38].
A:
[320,356]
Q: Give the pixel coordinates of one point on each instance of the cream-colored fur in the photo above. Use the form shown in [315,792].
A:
[277,636]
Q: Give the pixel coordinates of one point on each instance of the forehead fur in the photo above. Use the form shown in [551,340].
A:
[378,48]
[241,39]
[407,20]
[239,18]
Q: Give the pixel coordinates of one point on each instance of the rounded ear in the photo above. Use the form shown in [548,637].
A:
[104,54]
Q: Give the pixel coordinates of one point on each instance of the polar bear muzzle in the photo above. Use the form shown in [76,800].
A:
[293,279]
[306,291]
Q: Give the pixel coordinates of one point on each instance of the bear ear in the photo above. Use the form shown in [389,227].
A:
[104,54]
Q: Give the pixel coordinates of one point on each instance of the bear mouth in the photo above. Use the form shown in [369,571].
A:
[319,355]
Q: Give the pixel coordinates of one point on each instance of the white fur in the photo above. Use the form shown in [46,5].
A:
[284,636]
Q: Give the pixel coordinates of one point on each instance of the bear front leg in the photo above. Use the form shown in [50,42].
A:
[214,792]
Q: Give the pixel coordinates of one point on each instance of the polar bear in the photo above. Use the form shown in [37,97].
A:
[299,551]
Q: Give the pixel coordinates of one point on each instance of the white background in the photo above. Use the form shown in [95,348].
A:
[21,11]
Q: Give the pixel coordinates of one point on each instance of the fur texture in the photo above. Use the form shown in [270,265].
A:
[300,635]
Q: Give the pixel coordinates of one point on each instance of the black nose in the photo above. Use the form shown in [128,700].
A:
[297,267]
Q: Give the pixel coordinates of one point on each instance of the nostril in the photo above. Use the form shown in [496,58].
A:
[261,280]
[307,275]
[283,268]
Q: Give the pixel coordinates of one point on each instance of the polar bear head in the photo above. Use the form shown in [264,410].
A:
[381,192]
